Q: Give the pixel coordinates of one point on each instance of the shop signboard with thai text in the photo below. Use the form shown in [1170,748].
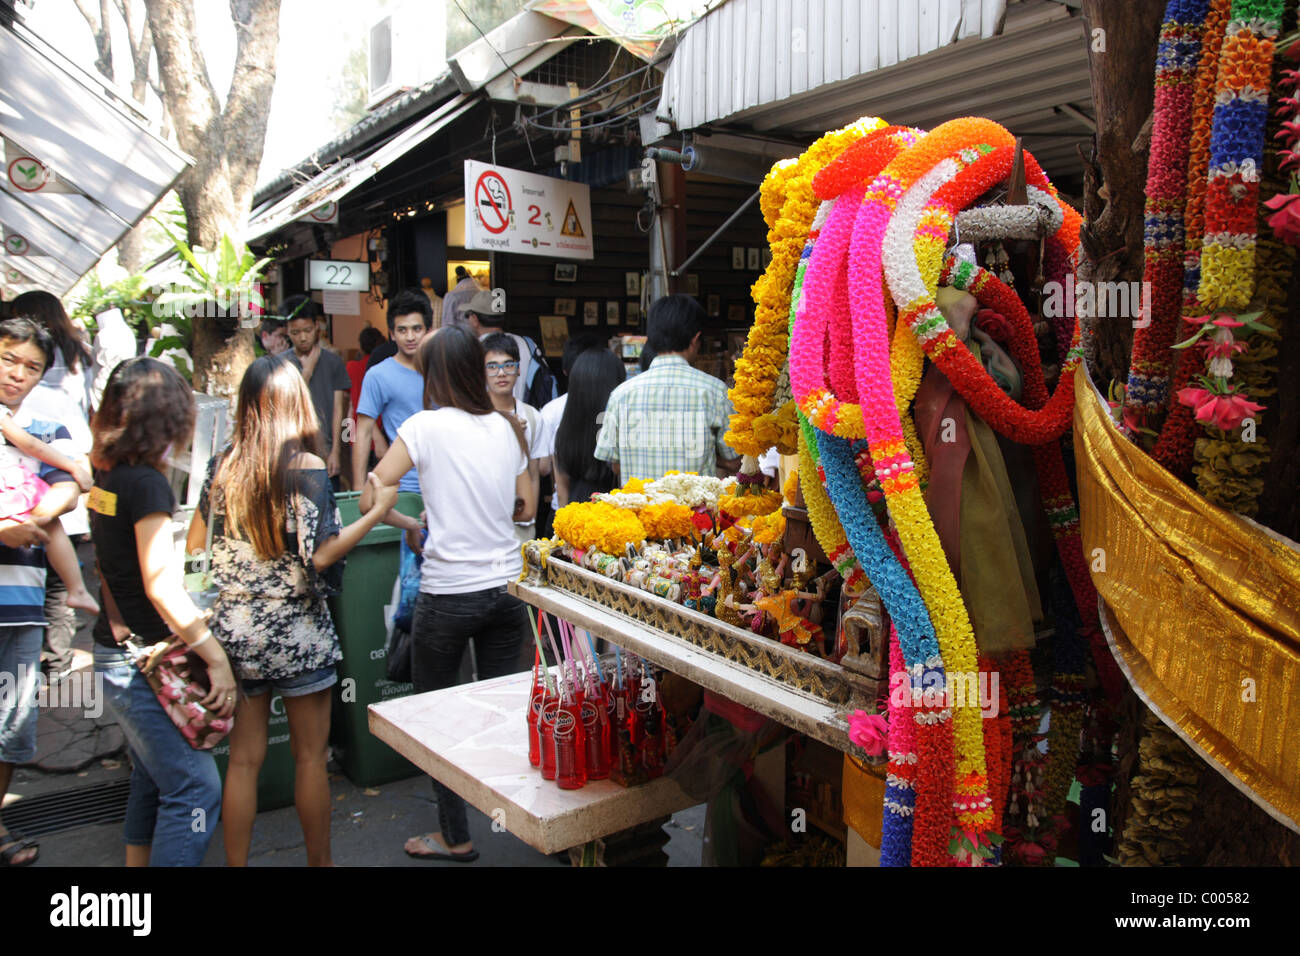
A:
[508,210]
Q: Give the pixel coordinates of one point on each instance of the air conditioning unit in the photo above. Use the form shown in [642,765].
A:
[406,48]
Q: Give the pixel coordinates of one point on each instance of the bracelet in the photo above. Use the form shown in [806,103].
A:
[205,637]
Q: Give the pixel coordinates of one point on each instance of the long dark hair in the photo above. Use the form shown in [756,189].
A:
[274,424]
[147,409]
[451,361]
[45,309]
[595,374]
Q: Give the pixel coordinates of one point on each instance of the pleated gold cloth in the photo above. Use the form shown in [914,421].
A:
[1207,606]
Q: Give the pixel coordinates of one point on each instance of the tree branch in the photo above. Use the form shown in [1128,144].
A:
[248,103]
[99,29]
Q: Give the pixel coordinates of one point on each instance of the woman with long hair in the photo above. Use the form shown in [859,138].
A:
[277,550]
[146,412]
[578,472]
[472,462]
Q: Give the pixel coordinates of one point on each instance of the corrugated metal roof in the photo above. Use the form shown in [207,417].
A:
[767,66]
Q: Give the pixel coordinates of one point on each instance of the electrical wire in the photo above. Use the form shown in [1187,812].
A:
[486,40]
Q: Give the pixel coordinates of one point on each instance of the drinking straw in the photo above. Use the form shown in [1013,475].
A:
[537,639]
[618,667]
[587,664]
[595,660]
[559,659]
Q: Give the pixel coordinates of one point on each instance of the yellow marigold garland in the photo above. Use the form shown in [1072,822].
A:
[791,489]
[597,524]
[758,423]
[667,519]
[749,500]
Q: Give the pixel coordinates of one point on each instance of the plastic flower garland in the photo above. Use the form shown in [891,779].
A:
[1237,153]
[1173,448]
[920,649]
[1176,61]
[900,780]
[767,345]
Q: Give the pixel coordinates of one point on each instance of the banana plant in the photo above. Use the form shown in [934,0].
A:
[217,284]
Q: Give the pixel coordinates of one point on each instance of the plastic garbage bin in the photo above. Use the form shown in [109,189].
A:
[359,619]
[275,782]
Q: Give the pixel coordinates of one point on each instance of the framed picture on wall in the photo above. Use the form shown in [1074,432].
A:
[632,283]
[692,283]
[633,313]
[611,312]
[591,313]
[566,306]
[714,305]
[566,272]
[766,257]
[555,332]
[752,259]
[735,313]
[737,257]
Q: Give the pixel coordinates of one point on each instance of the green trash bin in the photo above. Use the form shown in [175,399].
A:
[275,782]
[359,620]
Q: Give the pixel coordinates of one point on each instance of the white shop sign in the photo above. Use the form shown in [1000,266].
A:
[507,210]
[338,275]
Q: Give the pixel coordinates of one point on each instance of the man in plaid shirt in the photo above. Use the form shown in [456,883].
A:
[672,416]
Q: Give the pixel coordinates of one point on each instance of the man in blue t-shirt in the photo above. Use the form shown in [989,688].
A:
[393,390]
[26,350]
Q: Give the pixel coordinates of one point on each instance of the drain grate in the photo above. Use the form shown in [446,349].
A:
[69,809]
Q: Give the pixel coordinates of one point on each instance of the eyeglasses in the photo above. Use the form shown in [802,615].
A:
[495,368]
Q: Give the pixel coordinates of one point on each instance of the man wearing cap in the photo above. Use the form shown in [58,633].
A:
[483,314]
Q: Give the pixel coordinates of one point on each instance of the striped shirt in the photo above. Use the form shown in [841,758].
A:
[669,418]
[22,570]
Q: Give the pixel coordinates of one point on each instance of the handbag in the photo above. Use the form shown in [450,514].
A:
[178,677]
[406,589]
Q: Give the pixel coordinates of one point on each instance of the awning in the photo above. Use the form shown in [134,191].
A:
[80,169]
[795,70]
[340,179]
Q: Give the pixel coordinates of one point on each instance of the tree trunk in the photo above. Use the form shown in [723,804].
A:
[217,192]
[1122,62]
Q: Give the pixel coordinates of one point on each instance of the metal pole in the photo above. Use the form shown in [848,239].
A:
[717,232]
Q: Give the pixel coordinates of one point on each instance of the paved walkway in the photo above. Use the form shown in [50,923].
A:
[79,747]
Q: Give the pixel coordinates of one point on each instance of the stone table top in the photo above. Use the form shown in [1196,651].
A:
[473,738]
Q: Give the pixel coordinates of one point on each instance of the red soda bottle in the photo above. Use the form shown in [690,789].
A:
[546,728]
[535,700]
[595,726]
[650,751]
[570,764]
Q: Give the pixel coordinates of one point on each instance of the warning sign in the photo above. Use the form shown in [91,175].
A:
[492,202]
[508,210]
[572,224]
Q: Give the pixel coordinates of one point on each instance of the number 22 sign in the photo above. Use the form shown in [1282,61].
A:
[338,275]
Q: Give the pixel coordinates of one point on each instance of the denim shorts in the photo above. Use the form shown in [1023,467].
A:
[20,671]
[300,685]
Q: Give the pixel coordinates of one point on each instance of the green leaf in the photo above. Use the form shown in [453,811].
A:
[952,847]
[997,839]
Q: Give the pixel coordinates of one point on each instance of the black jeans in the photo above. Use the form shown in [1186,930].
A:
[443,624]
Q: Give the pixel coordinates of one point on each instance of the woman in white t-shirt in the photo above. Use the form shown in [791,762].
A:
[473,467]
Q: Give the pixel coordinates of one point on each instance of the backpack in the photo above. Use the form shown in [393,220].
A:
[541,386]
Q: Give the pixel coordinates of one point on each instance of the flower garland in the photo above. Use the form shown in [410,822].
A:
[1237,154]
[790,490]
[809,358]
[972,174]
[920,649]
[877,215]
[666,520]
[766,347]
[900,780]
[689,489]
[1173,448]
[598,524]
[1166,190]
[1228,468]
[749,500]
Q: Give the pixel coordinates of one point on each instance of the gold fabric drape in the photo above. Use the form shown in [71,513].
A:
[1207,606]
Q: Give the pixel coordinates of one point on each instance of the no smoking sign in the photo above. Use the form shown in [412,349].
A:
[492,200]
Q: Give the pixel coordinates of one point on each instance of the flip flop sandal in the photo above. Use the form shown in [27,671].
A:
[12,849]
[469,856]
